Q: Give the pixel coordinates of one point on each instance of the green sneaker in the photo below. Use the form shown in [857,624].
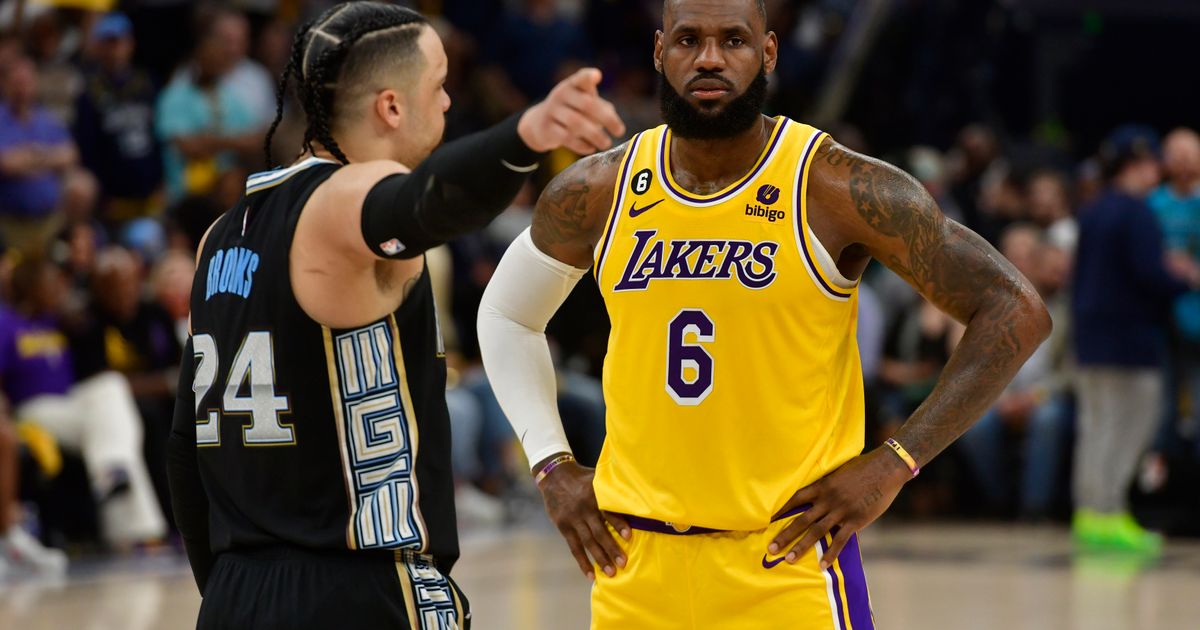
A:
[1127,535]
[1090,528]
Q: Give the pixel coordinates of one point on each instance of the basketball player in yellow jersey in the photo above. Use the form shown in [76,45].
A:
[727,246]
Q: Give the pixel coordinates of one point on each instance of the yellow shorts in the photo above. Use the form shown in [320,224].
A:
[725,581]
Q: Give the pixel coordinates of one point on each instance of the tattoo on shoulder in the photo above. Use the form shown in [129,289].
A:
[893,205]
[562,212]
[836,155]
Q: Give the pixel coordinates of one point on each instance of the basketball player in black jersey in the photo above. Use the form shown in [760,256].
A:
[310,452]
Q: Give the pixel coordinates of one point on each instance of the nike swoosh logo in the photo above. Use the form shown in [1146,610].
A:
[770,564]
[635,211]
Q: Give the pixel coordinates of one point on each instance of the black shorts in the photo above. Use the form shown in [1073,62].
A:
[286,588]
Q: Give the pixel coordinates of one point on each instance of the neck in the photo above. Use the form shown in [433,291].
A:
[721,159]
[360,146]
[1184,186]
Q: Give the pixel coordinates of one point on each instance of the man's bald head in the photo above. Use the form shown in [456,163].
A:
[1181,157]
[669,9]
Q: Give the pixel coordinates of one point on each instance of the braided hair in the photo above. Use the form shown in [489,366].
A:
[336,55]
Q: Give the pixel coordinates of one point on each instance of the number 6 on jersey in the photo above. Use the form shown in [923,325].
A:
[689,365]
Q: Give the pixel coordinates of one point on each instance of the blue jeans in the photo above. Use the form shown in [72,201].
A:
[1043,446]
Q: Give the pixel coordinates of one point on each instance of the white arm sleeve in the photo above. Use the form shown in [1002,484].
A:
[525,292]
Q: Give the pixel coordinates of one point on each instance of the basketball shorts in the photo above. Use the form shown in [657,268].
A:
[282,588]
[727,581]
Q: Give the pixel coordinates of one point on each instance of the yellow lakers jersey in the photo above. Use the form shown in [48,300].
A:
[732,377]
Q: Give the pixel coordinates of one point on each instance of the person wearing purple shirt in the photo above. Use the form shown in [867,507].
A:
[35,149]
[95,417]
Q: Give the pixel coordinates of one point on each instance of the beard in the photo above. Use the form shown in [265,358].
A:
[702,123]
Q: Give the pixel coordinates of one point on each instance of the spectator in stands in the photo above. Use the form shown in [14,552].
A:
[1176,203]
[1050,208]
[18,550]
[35,151]
[1122,293]
[202,120]
[171,287]
[96,417]
[1034,406]
[975,162]
[55,53]
[247,77]
[917,344]
[114,124]
[126,334]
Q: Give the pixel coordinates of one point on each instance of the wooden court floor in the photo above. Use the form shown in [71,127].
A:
[921,577]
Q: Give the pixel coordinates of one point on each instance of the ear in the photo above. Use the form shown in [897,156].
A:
[391,107]
[770,52]
[658,51]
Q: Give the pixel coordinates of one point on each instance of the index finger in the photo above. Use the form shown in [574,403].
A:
[803,496]
[586,79]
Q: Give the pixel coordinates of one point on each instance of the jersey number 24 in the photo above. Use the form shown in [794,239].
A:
[254,365]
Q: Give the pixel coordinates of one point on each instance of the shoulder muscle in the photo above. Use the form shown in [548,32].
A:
[572,210]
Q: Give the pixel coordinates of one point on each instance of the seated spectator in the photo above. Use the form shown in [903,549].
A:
[124,333]
[916,346]
[95,417]
[114,124]
[1050,208]
[1034,407]
[35,151]
[19,551]
[171,287]
[204,123]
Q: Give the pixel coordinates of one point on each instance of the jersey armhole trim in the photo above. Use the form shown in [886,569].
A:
[614,213]
[820,265]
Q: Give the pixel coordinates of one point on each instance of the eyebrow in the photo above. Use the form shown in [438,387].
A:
[687,28]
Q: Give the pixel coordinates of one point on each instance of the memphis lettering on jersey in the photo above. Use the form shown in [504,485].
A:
[231,271]
[753,264]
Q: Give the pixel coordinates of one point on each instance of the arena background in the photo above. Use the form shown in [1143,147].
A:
[999,108]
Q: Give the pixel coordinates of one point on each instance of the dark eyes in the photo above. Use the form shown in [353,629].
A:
[733,42]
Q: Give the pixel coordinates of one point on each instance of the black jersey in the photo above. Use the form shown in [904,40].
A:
[307,435]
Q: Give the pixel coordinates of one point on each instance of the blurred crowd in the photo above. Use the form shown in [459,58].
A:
[127,128]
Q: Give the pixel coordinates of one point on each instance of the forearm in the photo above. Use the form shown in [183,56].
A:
[18,163]
[61,157]
[456,190]
[998,340]
[525,292]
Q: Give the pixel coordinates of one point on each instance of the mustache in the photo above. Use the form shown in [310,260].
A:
[712,76]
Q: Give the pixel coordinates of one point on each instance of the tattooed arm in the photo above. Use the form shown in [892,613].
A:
[870,209]
[572,211]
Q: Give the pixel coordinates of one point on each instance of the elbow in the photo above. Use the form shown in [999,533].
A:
[1037,317]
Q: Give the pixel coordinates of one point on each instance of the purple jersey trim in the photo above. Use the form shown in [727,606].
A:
[665,173]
